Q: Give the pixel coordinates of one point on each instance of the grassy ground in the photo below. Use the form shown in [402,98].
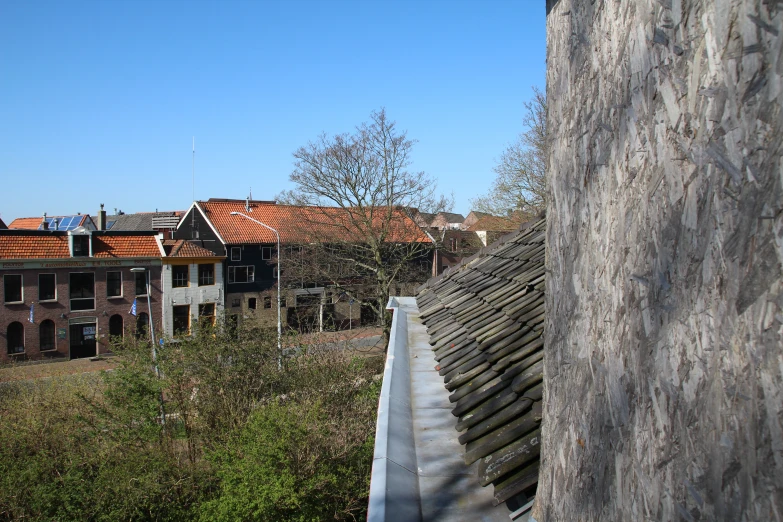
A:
[27,371]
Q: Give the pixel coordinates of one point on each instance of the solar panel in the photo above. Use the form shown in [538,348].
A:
[63,223]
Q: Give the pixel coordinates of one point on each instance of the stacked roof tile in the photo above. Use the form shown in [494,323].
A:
[125,246]
[485,319]
[34,246]
[184,248]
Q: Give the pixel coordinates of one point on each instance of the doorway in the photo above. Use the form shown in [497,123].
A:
[83,340]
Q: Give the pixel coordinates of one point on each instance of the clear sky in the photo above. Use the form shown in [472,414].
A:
[99,100]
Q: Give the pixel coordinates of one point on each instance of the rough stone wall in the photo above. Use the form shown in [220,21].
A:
[664,342]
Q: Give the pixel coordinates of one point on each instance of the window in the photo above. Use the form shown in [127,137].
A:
[206,274]
[181,320]
[282,302]
[46,335]
[141,282]
[236,253]
[251,303]
[46,287]
[180,276]
[115,326]
[241,274]
[15,338]
[142,320]
[206,314]
[235,302]
[113,284]
[13,288]
[267,302]
[82,292]
[266,252]
[81,246]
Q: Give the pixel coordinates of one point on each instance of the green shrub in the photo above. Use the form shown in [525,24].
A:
[242,439]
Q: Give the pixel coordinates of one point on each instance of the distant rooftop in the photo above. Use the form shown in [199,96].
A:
[144,220]
[54,222]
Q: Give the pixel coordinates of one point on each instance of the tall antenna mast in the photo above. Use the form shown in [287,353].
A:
[193,169]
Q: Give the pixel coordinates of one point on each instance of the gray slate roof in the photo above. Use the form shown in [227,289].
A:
[144,220]
[486,321]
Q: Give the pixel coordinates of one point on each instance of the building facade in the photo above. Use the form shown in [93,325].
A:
[250,267]
[65,293]
[193,287]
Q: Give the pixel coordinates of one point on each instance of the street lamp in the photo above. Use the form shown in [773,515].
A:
[147,277]
[279,321]
[149,309]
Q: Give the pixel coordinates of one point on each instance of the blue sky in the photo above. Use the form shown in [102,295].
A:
[99,100]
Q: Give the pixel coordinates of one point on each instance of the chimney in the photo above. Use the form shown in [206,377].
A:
[102,219]
[56,223]
[44,223]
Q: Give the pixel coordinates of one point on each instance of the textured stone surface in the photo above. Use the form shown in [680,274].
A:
[664,353]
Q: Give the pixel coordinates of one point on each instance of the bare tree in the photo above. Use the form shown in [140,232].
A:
[359,200]
[520,185]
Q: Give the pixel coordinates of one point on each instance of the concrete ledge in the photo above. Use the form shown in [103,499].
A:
[394,483]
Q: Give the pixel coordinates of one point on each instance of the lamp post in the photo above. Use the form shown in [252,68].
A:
[279,321]
[147,277]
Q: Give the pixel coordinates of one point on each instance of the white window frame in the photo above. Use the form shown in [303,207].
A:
[136,275]
[198,273]
[174,276]
[266,253]
[52,300]
[251,274]
[94,297]
[107,285]
[238,251]
[21,283]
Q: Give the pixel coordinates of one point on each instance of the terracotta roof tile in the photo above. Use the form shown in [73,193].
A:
[184,248]
[125,246]
[297,224]
[28,223]
[33,247]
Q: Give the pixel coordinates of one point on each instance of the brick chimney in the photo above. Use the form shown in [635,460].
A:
[44,223]
[102,219]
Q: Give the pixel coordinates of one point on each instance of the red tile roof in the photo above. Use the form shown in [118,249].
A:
[125,246]
[33,223]
[33,247]
[185,248]
[301,224]
[29,223]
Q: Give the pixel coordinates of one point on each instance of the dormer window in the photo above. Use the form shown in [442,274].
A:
[81,245]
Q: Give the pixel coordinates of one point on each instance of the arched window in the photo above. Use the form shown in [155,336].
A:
[15,337]
[115,326]
[142,320]
[46,335]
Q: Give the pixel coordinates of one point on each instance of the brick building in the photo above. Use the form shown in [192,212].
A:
[65,292]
